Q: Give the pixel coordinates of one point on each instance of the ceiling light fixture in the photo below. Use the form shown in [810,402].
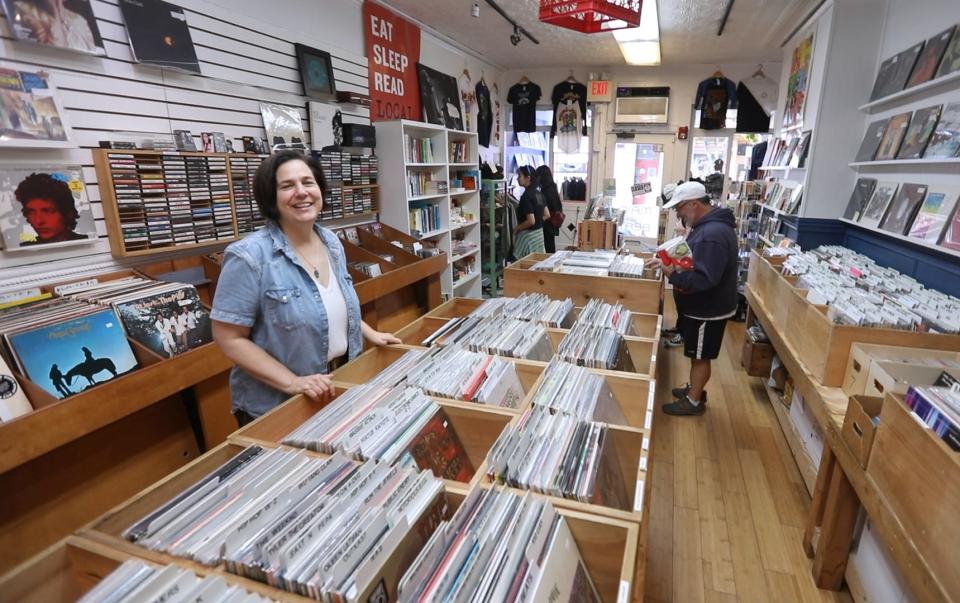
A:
[640,45]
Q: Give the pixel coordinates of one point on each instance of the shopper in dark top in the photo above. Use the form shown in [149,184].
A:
[551,197]
[706,295]
[531,214]
[524,96]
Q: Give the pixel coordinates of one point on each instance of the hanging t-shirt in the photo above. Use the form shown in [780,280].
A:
[465,85]
[565,92]
[524,99]
[568,118]
[714,95]
[484,113]
[750,115]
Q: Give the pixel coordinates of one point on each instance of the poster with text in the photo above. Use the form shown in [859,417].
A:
[799,83]
[393,50]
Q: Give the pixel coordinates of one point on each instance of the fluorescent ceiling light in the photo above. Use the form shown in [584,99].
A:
[649,28]
[646,52]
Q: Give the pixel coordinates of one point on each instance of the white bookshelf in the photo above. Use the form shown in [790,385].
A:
[397,200]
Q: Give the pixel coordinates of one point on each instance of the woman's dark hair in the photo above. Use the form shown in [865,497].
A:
[527,171]
[45,186]
[545,178]
[265,182]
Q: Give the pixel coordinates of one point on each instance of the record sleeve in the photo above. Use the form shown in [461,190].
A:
[44,207]
[438,449]
[934,213]
[892,137]
[30,111]
[951,57]
[871,140]
[159,34]
[69,25]
[876,209]
[13,402]
[904,207]
[945,142]
[929,60]
[169,323]
[69,357]
[898,71]
[283,125]
[862,191]
[918,134]
[883,76]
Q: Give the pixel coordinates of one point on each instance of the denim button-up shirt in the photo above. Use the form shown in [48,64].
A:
[264,286]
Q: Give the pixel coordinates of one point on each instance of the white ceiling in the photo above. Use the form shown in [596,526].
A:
[688,32]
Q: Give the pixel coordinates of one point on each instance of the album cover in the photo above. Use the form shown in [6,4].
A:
[69,357]
[44,206]
[951,236]
[904,208]
[898,71]
[168,323]
[438,449]
[951,57]
[892,137]
[206,139]
[877,206]
[871,140]
[799,158]
[159,34]
[30,112]
[316,70]
[284,127]
[883,76]
[440,96]
[862,191]
[918,134]
[184,140]
[934,213]
[325,119]
[61,24]
[219,142]
[249,144]
[13,402]
[945,142]
[930,58]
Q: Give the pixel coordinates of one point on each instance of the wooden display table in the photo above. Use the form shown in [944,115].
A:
[842,480]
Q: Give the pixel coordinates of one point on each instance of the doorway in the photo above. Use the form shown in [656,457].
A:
[634,161]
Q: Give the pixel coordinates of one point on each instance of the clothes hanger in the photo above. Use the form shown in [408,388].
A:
[466,72]
[570,79]
[717,74]
[524,79]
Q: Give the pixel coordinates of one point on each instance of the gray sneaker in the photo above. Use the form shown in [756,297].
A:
[673,341]
[684,407]
[683,390]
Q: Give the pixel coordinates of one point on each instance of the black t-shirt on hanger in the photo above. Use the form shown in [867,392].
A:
[567,91]
[484,113]
[524,99]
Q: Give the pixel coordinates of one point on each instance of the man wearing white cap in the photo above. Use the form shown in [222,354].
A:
[706,295]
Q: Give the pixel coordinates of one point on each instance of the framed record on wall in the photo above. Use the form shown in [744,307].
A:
[43,207]
[159,34]
[440,97]
[69,25]
[316,70]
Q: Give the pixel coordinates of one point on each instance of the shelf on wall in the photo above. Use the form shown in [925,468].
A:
[425,197]
[465,191]
[464,165]
[765,240]
[420,165]
[457,258]
[779,212]
[904,238]
[464,225]
[896,162]
[466,279]
[952,78]
[432,233]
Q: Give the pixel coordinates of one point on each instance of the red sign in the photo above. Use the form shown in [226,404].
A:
[393,50]
[599,92]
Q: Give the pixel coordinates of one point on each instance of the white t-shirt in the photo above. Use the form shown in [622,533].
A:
[336,307]
[568,126]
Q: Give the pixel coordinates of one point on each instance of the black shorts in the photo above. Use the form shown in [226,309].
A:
[701,338]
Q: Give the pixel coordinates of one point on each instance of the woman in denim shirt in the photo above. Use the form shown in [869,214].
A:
[285,310]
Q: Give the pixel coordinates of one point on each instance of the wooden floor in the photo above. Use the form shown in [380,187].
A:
[728,504]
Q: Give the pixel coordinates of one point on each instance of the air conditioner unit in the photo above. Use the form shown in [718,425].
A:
[641,105]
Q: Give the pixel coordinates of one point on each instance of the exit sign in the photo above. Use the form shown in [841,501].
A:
[600,91]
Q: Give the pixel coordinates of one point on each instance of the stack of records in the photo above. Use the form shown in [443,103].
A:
[553,262]
[320,527]
[497,335]
[558,455]
[537,307]
[136,581]
[598,313]
[398,424]
[453,372]
[939,409]
[628,266]
[371,269]
[592,346]
[397,370]
[576,391]
[167,318]
[65,346]
[500,546]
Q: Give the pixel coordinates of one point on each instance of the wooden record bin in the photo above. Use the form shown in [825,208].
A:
[637,295]
[142,420]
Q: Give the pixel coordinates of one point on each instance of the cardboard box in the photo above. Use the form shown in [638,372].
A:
[756,357]
[862,356]
[858,428]
[896,378]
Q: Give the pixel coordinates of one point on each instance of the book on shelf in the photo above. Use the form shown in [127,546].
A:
[935,212]
[425,217]
[418,150]
[945,142]
[459,151]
